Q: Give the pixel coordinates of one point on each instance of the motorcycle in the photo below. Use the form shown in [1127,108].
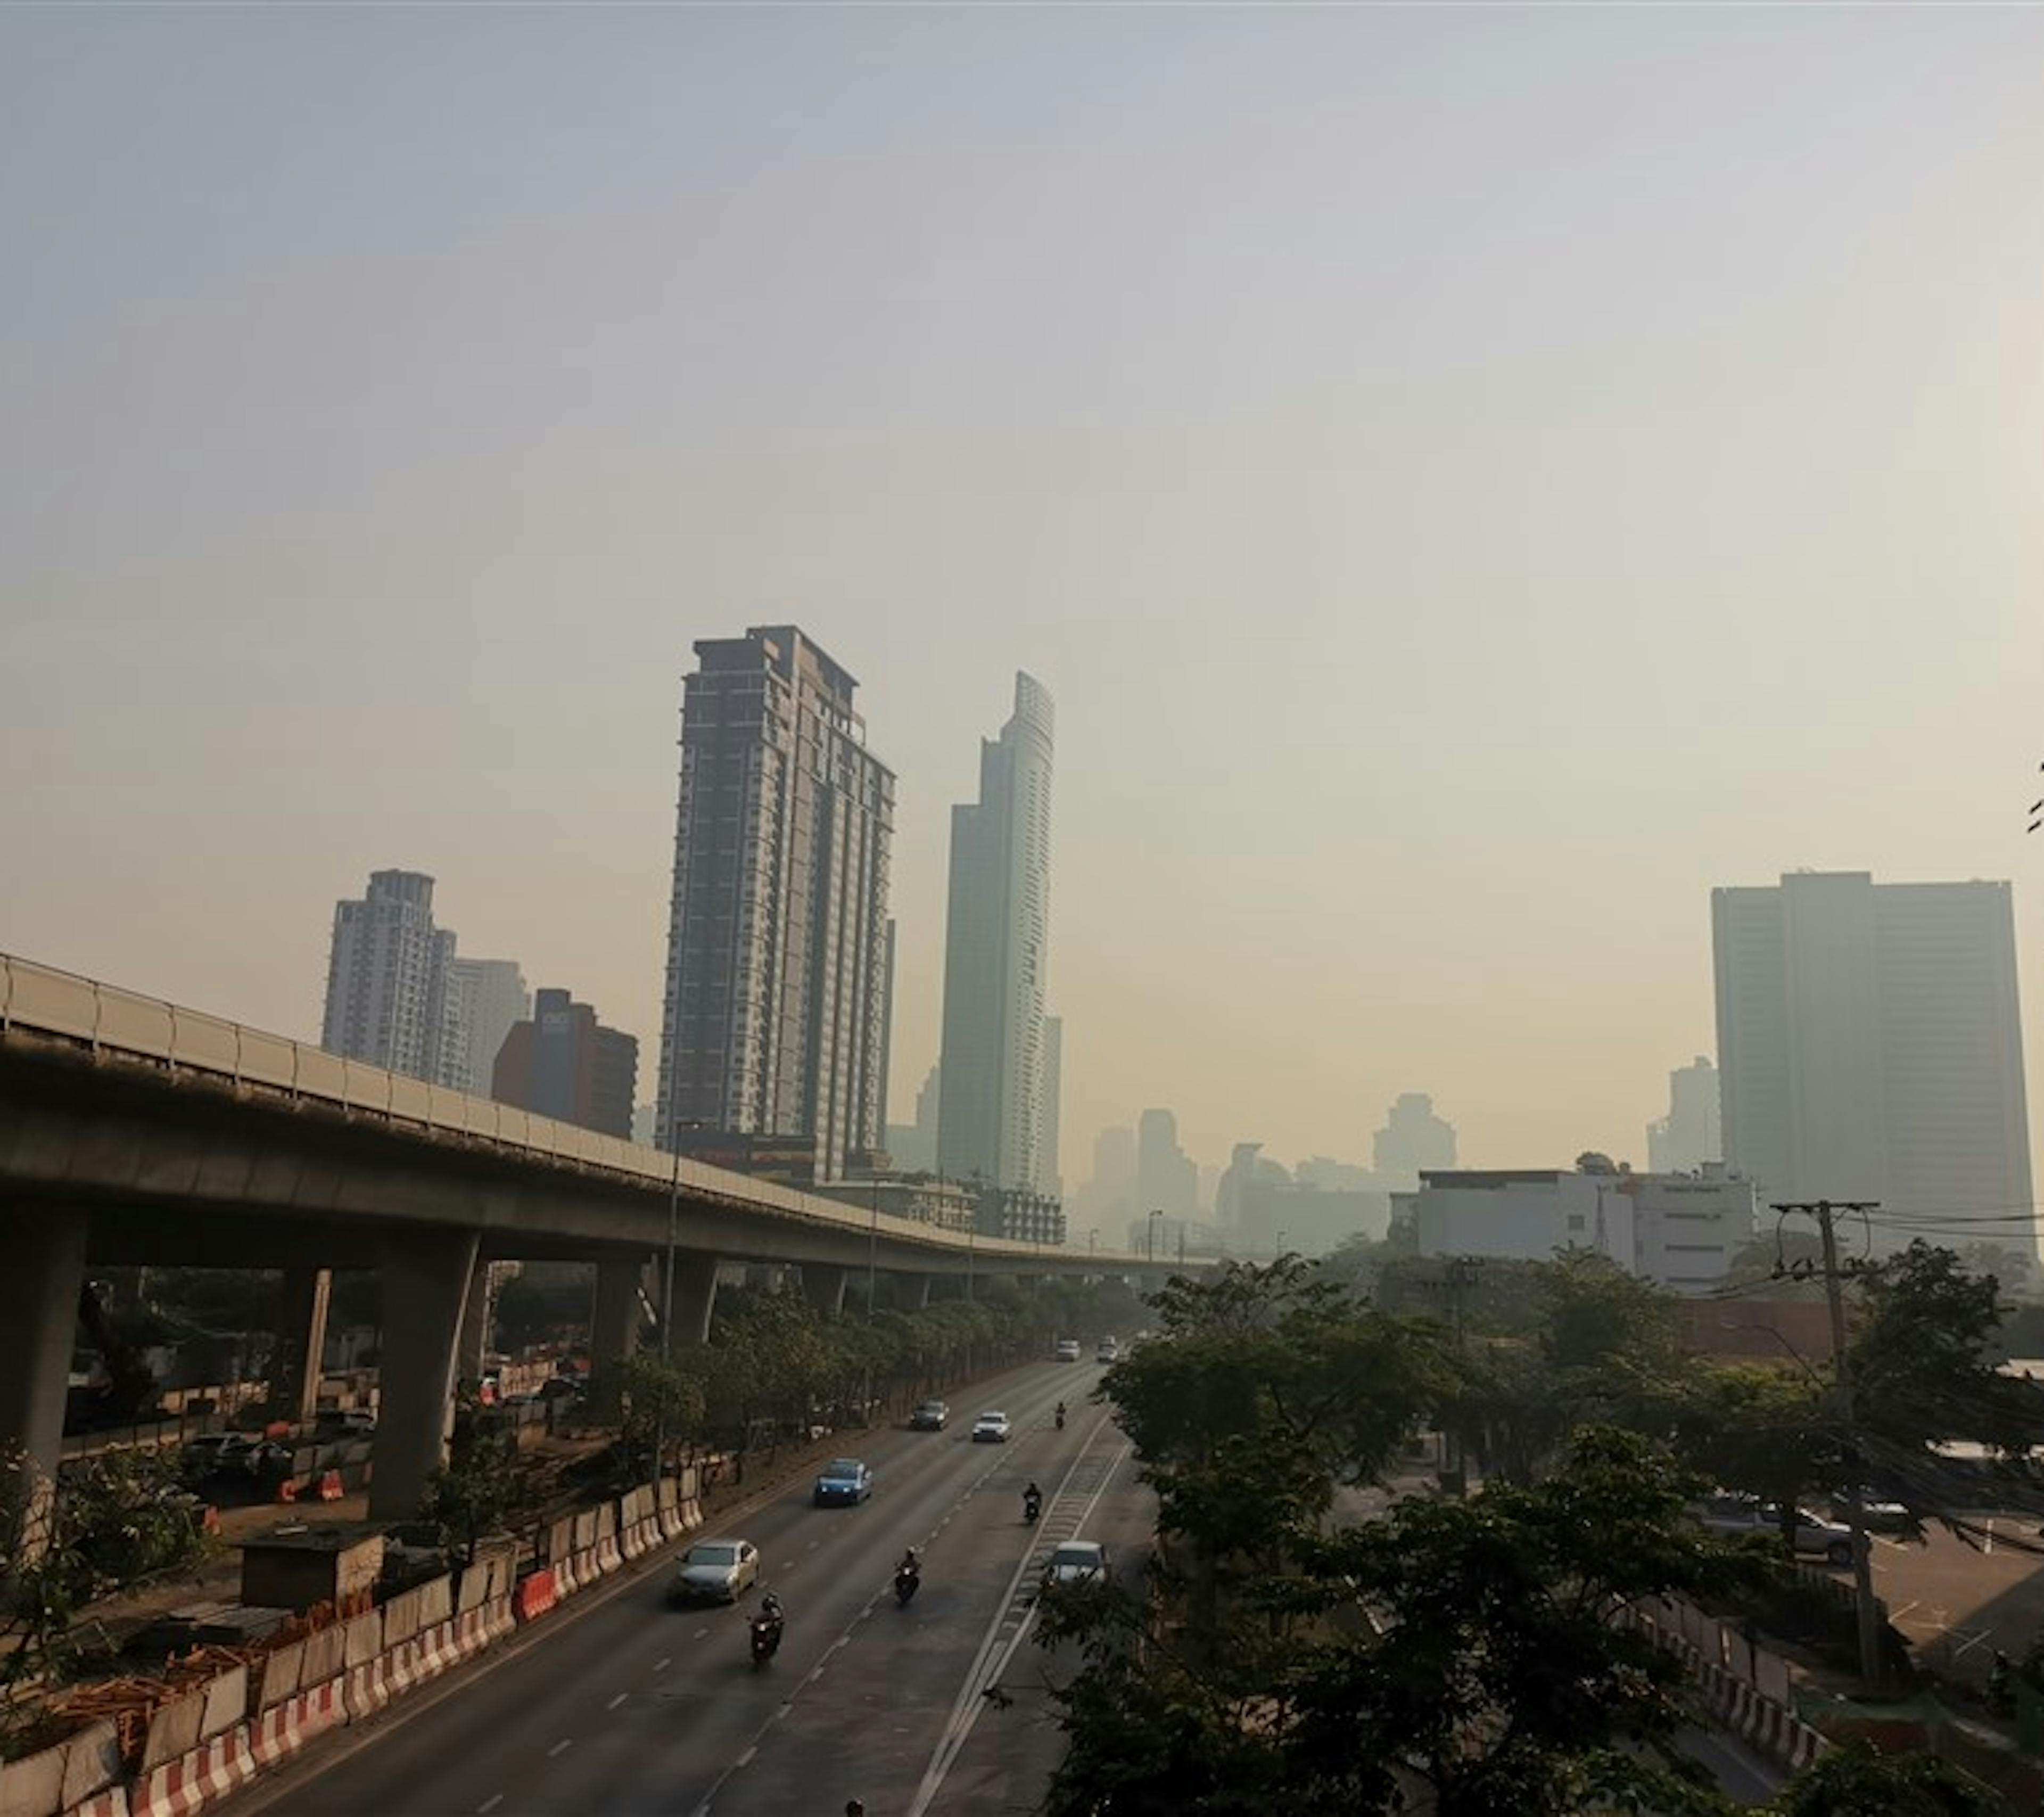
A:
[1061,1418]
[765,1639]
[1032,1505]
[906,1583]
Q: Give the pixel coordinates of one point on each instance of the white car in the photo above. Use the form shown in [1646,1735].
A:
[1734,1516]
[1076,1561]
[1068,1350]
[715,1571]
[990,1429]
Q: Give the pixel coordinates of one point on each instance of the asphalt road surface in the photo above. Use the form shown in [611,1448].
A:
[628,1708]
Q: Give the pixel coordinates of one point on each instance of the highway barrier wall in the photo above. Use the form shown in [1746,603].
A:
[1744,1685]
[199,1741]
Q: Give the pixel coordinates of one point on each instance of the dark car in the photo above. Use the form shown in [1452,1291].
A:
[843,1481]
[930,1417]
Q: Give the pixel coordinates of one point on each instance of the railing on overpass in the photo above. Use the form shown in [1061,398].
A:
[110,1021]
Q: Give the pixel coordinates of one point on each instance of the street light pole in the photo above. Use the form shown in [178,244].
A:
[1151,1233]
[667,1309]
[872,1258]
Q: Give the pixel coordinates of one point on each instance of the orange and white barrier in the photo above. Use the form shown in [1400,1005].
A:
[367,1690]
[536,1595]
[111,1802]
[170,1790]
[321,1708]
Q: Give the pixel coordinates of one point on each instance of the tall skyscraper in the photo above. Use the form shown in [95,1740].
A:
[1167,1180]
[777,1008]
[565,1064]
[387,978]
[997,951]
[1693,1131]
[1052,1179]
[913,1147]
[1413,1140]
[484,998]
[1870,1045]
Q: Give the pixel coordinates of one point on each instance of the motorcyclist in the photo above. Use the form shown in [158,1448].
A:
[910,1564]
[1061,1416]
[1032,1500]
[770,1609]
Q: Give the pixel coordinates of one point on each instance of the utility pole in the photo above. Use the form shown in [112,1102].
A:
[1462,1275]
[1866,1611]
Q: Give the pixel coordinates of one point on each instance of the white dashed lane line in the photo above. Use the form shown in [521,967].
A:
[619,1699]
[662,1665]
[489,1804]
[560,1747]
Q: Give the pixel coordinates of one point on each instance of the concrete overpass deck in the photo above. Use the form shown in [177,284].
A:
[133,1130]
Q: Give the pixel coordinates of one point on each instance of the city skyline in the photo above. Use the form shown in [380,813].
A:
[1356,555]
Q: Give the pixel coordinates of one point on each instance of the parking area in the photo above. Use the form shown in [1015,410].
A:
[1956,1602]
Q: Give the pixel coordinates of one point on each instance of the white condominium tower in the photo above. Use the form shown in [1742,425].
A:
[386,977]
[1869,1046]
[486,999]
[990,1121]
[775,1022]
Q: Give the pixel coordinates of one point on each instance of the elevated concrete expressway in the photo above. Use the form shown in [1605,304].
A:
[133,1130]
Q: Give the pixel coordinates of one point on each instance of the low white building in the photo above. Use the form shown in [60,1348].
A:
[1680,1230]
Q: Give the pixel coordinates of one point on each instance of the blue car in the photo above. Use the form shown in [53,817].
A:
[844,1480]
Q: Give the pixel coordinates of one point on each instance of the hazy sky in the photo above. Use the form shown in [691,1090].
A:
[1472,479]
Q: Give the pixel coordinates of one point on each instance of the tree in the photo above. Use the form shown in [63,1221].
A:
[655,1397]
[1769,1432]
[1855,1781]
[1466,1649]
[476,1491]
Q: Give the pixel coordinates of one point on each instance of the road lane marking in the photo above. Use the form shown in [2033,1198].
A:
[1012,1618]
[662,1665]
[560,1747]
[619,1699]
[815,1672]
[489,1804]
[748,1758]
[699,1633]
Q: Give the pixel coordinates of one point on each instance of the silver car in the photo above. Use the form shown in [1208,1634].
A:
[1734,1516]
[1076,1561]
[715,1571]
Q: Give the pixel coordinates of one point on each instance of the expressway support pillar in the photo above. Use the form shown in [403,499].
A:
[695,1297]
[476,1306]
[942,1287]
[38,1324]
[294,1378]
[425,1277]
[618,1312]
[823,1286]
[913,1291]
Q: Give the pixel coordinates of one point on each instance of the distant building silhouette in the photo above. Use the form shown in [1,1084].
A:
[386,983]
[1109,1195]
[1870,1042]
[1166,1179]
[565,1064]
[1693,1131]
[1412,1140]
[913,1147]
[1054,1091]
[484,998]
[775,1023]
[997,957]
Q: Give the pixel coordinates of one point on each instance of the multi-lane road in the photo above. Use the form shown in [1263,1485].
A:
[628,1707]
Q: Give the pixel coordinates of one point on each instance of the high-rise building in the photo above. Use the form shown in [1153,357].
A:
[1166,1178]
[565,1064]
[484,998]
[1412,1140]
[997,953]
[1054,1090]
[1693,1131]
[1870,1046]
[777,1006]
[387,980]
[913,1147]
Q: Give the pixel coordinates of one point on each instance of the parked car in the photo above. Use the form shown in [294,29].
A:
[1880,1514]
[344,1422]
[1076,1561]
[267,1457]
[990,1428]
[1736,1515]
[1068,1350]
[200,1457]
[930,1417]
[715,1571]
[842,1481]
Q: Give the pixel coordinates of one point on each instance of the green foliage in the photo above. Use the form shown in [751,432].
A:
[1461,1647]
[651,1398]
[113,1523]
[476,1492]
[1855,1781]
